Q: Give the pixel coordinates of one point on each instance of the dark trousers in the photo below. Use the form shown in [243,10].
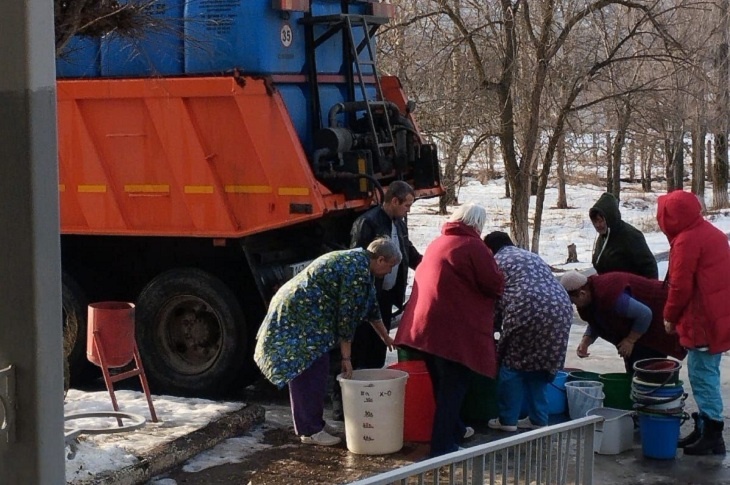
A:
[368,349]
[306,395]
[640,352]
[450,383]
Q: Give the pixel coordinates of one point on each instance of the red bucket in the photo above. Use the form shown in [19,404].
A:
[113,324]
[420,404]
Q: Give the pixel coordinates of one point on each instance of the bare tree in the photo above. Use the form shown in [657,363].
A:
[720,167]
[95,18]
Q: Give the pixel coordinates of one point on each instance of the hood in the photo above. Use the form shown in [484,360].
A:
[458,229]
[607,206]
[677,211]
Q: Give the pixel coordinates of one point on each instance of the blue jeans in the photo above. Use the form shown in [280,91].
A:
[512,387]
[704,377]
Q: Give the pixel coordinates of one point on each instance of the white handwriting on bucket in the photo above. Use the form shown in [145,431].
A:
[368,414]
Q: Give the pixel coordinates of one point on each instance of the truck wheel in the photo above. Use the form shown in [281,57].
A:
[191,334]
[74,312]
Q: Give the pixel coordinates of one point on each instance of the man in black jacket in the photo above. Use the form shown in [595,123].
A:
[368,351]
[388,219]
[620,246]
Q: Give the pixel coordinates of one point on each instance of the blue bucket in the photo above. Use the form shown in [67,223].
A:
[557,399]
[659,435]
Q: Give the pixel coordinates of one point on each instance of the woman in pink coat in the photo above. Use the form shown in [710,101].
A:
[450,318]
[698,309]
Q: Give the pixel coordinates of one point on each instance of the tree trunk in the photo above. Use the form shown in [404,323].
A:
[520,209]
[674,161]
[632,160]
[698,160]
[708,159]
[562,198]
[595,151]
[678,163]
[518,173]
[490,157]
[624,118]
[720,173]
[449,178]
[647,161]
[720,168]
[609,163]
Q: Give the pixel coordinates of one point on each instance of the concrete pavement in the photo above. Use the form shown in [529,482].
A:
[288,462]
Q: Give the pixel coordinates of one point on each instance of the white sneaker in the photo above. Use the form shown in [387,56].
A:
[469,432]
[495,424]
[328,428]
[322,438]
[527,424]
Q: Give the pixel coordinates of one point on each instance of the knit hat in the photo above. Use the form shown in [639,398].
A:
[573,280]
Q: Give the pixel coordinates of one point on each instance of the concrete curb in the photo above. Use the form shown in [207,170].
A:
[171,454]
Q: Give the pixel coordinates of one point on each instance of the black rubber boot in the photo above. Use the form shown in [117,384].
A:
[695,434]
[711,441]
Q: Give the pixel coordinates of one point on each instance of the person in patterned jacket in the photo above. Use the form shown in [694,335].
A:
[535,314]
[310,314]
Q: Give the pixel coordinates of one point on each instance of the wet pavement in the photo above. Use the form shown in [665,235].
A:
[288,462]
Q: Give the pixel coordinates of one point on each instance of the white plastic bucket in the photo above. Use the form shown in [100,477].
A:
[373,402]
[616,433]
[583,396]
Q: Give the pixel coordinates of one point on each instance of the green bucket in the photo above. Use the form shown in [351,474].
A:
[480,403]
[617,388]
[406,353]
[582,375]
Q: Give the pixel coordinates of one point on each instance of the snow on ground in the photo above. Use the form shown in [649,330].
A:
[105,452]
[181,415]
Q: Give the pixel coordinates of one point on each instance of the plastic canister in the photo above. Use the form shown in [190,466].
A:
[420,405]
[582,375]
[616,433]
[480,403]
[373,401]
[556,394]
[617,387]
[659,435]
[583,396]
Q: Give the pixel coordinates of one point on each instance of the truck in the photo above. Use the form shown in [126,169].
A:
[205,163]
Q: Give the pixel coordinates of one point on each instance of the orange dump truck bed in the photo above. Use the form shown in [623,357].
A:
[207,157]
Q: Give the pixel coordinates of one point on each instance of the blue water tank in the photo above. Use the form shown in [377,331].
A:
[296,98]
[80,58]
[328,54]
[158,51]
[250,35]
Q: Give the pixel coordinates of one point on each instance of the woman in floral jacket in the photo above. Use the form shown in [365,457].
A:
[535,315]
[314,311]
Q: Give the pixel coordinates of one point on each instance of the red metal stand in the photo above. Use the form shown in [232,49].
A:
[109,379]
[111,345]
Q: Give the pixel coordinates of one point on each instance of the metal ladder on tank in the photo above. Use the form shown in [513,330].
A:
[350,21]
[362,55]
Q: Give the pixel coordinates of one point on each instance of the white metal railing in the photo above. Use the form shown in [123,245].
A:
[560,454]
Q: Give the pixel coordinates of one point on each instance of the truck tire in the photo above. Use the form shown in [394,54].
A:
[74,311]
[191,333]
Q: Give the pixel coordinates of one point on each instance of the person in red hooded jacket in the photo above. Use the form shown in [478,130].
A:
[450,318]
[698,309]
